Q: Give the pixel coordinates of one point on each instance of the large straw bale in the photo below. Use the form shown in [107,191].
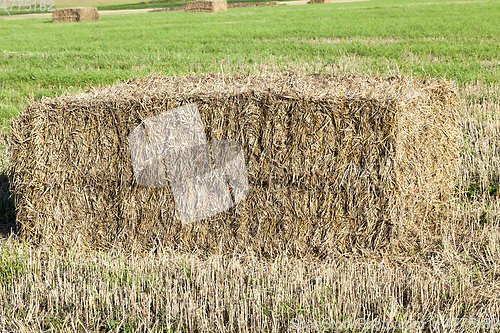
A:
[206,6]
[335,164]
[75,14]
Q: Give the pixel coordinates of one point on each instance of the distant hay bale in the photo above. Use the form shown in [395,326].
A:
[335,164]
[206,6]
[75,14]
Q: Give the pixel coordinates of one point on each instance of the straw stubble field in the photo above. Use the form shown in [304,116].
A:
[453,273]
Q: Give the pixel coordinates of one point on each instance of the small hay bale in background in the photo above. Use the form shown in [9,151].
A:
[335,164]
[213,6]
[75,14]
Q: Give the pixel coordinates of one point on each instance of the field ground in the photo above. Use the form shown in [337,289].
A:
[456,274]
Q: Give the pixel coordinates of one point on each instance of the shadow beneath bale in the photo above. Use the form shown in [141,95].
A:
[7,208]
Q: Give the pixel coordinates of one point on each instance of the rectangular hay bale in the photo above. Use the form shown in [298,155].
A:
[335,164]
[206,6]
[75,14]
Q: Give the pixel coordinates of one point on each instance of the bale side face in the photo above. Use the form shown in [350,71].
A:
[427,143]
[75,14]
[206,6]
[333,163]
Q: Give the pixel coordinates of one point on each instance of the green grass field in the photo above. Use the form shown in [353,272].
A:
[457,275]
